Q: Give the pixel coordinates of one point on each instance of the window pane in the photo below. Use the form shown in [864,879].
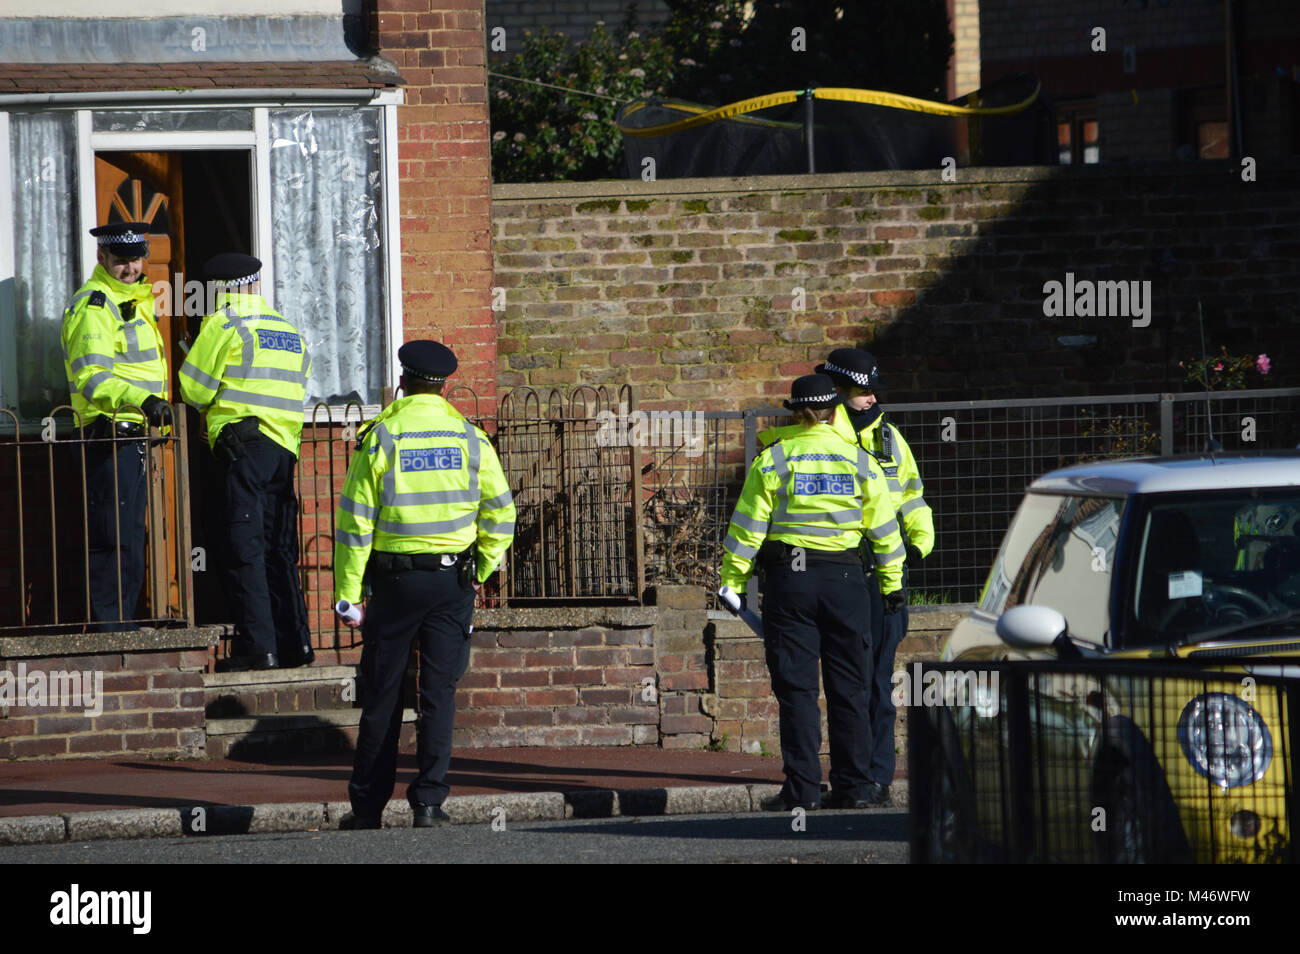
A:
[172,120]
[43,157]
[1074,569]
[327,227]
[1064,153]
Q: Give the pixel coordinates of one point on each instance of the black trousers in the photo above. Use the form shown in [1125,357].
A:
[260,563]
[436,608]
[116,501]
[884,716]
[819,612]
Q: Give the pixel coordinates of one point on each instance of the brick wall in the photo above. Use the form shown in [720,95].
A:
[687,289]
[559,677]
[965,26]
[152,707]
[445,175]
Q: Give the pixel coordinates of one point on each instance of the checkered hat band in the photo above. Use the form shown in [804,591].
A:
[233,282]
[857,376]
[816,398]
[422,376]
[126,238]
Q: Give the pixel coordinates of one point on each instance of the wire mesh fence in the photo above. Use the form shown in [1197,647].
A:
[1102,762]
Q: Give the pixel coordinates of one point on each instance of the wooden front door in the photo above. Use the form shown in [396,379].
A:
[146,187]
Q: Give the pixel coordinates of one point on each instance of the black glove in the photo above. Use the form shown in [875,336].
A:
[895,601]
[157,410]
[913,553]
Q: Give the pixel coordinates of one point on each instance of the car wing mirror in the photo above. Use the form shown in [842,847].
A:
[1035,627]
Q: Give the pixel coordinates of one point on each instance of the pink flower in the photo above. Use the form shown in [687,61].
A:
[1218,366]
[1263,364]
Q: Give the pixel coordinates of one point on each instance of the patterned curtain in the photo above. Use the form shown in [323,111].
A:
[327,225]
[43,162]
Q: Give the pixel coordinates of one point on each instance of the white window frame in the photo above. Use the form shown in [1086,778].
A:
[258,145]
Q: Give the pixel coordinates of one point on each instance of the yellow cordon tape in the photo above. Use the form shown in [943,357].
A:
[873,97]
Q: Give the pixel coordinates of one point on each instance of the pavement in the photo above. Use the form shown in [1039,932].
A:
[45,802]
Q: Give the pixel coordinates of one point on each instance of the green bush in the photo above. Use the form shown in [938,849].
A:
[541,134]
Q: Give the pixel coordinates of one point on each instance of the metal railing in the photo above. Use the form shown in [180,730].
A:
[577,537]
[1102,762]
[604,511]
[45,578]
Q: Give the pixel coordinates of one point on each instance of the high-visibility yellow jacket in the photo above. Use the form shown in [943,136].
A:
[112,352]
[248,361]
[424,480]
[901,475]
[813,489]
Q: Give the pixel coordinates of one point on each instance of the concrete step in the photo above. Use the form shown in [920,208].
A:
[273,735]
[233,695]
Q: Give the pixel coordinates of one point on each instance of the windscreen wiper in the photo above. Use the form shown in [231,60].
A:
[1206,635]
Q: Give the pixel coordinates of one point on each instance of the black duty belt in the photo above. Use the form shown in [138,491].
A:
[777,550]
[103,427]
[388,562]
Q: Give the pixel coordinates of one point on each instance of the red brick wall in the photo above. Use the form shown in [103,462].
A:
[445,177]
[152,707]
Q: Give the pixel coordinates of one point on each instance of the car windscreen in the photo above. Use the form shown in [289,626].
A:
[1060,552]
[1207,560]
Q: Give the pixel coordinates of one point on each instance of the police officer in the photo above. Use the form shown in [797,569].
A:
[860,419]
[806,504]
[116,366]
[247,372]
[426,516]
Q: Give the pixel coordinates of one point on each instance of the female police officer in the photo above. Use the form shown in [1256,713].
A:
[806,504]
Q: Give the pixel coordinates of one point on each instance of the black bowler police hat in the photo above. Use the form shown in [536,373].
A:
[849,366]
[233,269]
[812,391]
[124,239]
[429,360]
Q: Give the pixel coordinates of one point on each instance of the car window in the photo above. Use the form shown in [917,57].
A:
[1059,552]
[1213,559]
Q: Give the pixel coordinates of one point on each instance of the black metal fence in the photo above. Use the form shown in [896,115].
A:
[1102,762]
[47,538]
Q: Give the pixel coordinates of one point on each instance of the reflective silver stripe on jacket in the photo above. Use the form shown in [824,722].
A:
[892,555]
[884,530]
[262,400]
[748,523]
[500,500]
[425,529]
[739,549]
[106,360]
[353,539]
[916,503]
[195,373]
[914,483]
[94,382]
[365,511]
[486,526]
